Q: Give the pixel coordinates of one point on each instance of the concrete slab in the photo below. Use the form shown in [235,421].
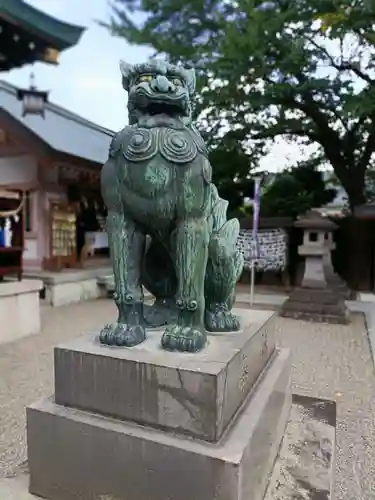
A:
[263,301]
[305,467]
[74,454]
[368,309]
[69,275]
[197,394]
[72,285]
[366,297]
[19,309]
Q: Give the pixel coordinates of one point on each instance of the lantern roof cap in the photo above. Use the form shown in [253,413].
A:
[315,220]
[365,211]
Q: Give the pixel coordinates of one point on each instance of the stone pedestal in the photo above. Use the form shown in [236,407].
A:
[19,309]
[145,424]
[321,296]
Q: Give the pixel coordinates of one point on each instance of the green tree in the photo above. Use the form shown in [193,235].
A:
[299,69]
[295,191]
[231,174]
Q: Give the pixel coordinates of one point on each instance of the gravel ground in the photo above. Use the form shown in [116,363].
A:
[329,361]
[334,362]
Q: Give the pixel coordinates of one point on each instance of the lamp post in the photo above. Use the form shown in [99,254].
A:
[33,100]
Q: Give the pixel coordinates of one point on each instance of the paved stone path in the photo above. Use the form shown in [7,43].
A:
[329,361]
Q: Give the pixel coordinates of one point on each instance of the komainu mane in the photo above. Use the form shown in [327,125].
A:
[166,224]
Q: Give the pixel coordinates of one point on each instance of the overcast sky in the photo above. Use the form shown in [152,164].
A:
[88,81]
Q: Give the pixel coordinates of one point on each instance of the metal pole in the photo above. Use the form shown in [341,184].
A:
[256,210]
[252,282]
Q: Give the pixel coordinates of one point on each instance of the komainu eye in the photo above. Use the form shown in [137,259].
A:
[177,82]
[145,78]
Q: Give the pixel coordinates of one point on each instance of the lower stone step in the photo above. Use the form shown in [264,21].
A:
[78,455]
[317,316]
[304,468]
[319,305]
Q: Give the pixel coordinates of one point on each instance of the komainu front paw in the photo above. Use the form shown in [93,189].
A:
[219,318]
[122,335]
[183,339]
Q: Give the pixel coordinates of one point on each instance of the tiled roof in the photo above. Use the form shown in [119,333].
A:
[61,129]
[62,35]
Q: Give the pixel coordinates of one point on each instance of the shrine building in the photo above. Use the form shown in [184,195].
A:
[55,164]
[50,158]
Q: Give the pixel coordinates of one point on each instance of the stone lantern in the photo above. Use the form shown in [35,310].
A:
[316,248]
[321,295]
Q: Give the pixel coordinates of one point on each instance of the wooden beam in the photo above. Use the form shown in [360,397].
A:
[9,195]
[21,186]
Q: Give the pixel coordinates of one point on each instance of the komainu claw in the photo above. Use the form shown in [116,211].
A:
[122,335]
[183,339]
[218,318]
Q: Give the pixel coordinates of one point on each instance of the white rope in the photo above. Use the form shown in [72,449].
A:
[12,213]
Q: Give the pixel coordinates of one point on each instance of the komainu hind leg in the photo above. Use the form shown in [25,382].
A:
[126,245]
[224,268]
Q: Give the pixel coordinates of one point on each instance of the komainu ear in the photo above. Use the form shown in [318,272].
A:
[191,80]
[126,70]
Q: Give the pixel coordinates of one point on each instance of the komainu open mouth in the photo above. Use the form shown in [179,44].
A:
[158,108]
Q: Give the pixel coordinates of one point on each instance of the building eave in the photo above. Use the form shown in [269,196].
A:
[70,115]
[59,34]
[62,130]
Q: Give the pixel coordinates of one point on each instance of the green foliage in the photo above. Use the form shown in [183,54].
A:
[231,174]
[295,191]
[299,69]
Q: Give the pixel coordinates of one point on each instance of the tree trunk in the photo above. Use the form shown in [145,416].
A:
[353,181]
[356,192]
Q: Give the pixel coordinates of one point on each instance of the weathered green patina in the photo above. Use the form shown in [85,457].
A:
[166,223]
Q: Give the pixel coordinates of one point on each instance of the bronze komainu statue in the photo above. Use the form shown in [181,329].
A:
[166,224]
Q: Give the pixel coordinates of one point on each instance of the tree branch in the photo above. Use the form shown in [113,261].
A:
[347,66]
[343,66]
[276,131]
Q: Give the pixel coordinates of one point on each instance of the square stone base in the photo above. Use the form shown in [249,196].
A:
[75,455]
[196,394]
[321,305]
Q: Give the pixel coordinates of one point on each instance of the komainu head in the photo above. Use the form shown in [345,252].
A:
[158,88]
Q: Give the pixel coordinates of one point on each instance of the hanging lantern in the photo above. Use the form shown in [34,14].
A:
[33,100]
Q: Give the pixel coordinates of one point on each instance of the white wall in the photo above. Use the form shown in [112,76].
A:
[18,170]
[31,249]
